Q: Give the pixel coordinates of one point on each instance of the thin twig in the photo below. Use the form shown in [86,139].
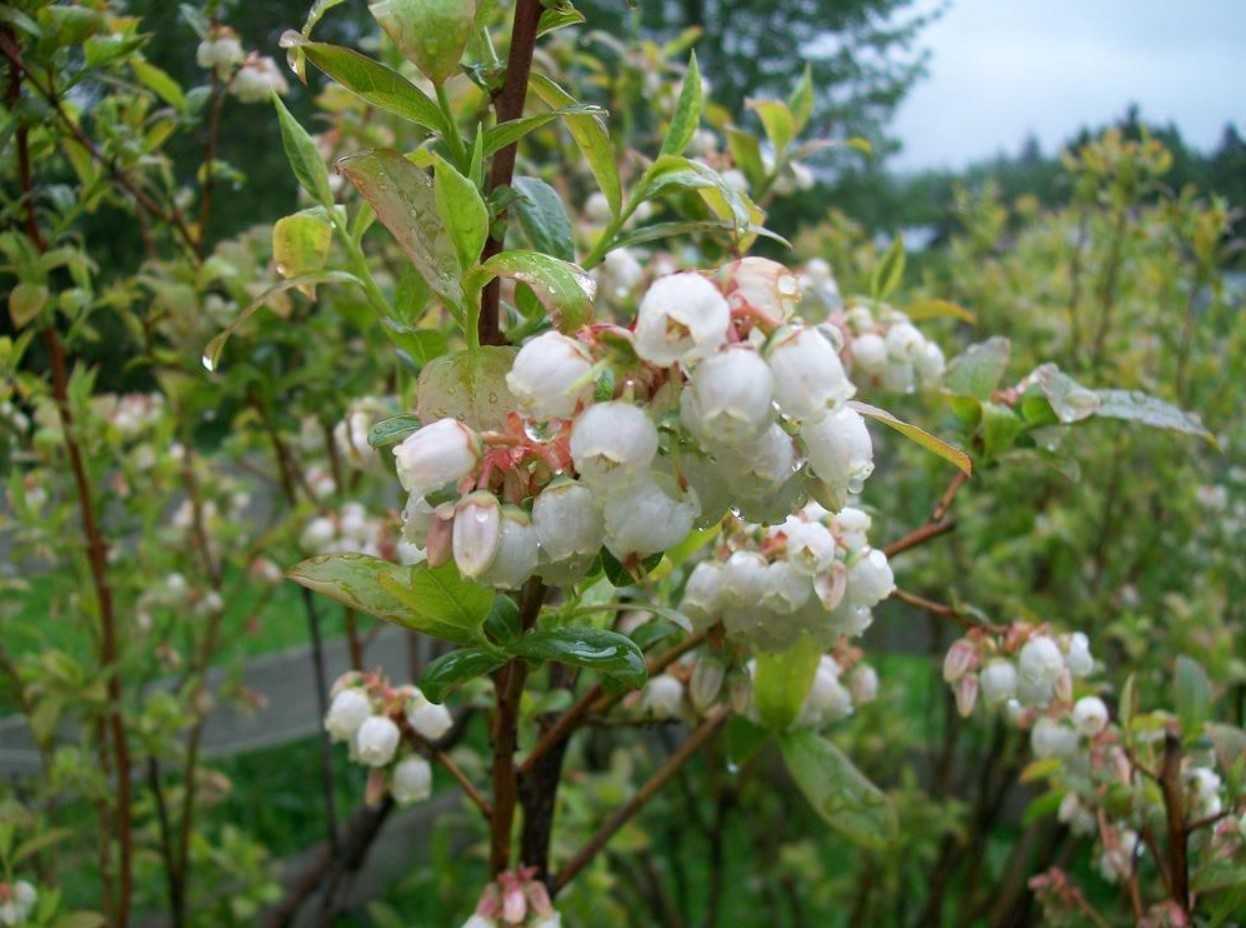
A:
[475,795]
[944,611]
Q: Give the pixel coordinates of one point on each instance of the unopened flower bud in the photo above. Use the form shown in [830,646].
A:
[318,535]
[376,741]
[1078,656]
[999,682]
[762,285]
[704,593]
[930,364]
[828,700]
[863,684]
[257,79]
[707,682]
[1049,738]
[430,720]
[869,353]
[549,376]
[745,575]
[870,579]
[662,696]
[681,318]
[904,341]
[417,518]
[611,441]
[961,658]
[567,520]
[840,450]
[1090,715]
[412,780]
[517,551]
[809,380]
[442,452]
[477,532]
[349,709]
[1040,664]
[966,691]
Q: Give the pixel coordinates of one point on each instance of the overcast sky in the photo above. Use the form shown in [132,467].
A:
[1002,68]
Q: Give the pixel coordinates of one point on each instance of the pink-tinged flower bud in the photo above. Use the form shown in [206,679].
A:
[863,684]
[869,354]
[966,694]
[648,515]
[1064,685]
[870,580]
[961,658]
[17,902]
[514,904]
[1090,715]
[706,683]
[704,593]
[839,449]
[810,545]
[762,285]
[550,376]
[681,318]
[1049,738]
[439,545]
[567,520]
[430,720]
[999,682]
[442,452]
[350,709]
[728,400]
[611,442]
[539,902]
[663,696]
[517,551]
[376,741]
[477,532]
[412,780]
[809,380]
[786,588]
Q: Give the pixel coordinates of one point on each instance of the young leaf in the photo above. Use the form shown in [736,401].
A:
[555,17]
[392,430]
[503,623]
[303,156]
[676,171]
[406,204]
[379,85]
[687,112]
[778,121]
[596,649]
[1192,695]
[543,217]
[447,672]
[1000,427]
[1135,406]
[564,289]
[468,385]
[889,272]
[26,300]
[936,309]
[462,210]
[745,151]
[930,442]
[301,244]
[837,790]
[498,137]
[800,103]
[977,371]
[159,82]
[782,682]
[590,135]
[430,33]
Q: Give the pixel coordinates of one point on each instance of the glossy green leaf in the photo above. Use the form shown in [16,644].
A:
[778,121]
[301,243]
[1068,399]
[782,682]
[676,171]
[376,83]
[1192,695]
[462,210]
[468,386]
[26,301]
[931,443]
[837,790]
[745,150]
[565,290]
[660,230]
[978,369]
[558,16]
[406,204]
[503,623]
[498,137]
[392,430]
[430,33]
[596,649]
[889,272]
[1000,428]
[800,103]
[159,82]
[687,112]
[543,218]
[304,157]
[443,675]
[1135,406]
[591,137]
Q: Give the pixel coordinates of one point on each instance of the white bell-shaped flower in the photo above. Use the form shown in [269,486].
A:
[704,593]
[681,318]
[729,397]
[706,683]
[1090,715]
[810,545]
[870,580]
[828,700]
[809,380]
[430,720]
[930,364]
[612,442]
[746,578]
[621,272]
[477,532]
[517,554]
[1050,738]
[417,517]
[852,525]
[863,684]
[839,450]
[998,681]
[376,741]
[904,342]
[648,515]
[567,520]
[1077,655]
[441,452]
[787,588]
[869,353]
[1040,662]
[550,376]
[412,780]
[662,697]
[318,534]
[349,709]
[763,286]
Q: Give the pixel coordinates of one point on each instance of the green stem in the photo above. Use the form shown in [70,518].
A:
[455,139]
[359,266]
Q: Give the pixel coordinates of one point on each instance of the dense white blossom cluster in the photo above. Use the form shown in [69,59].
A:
[885,349]
[382,725]
[515,899]
[17,902]
[351,529]
[221,51]
[258,79]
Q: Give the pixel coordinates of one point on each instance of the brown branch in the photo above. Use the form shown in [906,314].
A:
[177,908]
[693,743]
[1174,807]
[510,104]
[209,160]
[944,611]
[938,523]
[475,795]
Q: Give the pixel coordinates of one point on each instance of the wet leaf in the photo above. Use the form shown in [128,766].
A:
[304,157]
[889,273]
[596,649]
[498,137]
[591,137]
[782,682]
[392,430]
[543,217]
[1192,695]
[565,290]
[838,791]
[778,121]
[26,301]
[448,672]
[931,443]
[379,85]
[1135,406]
[301,244]
[467,386]
[462,210]
[938,309]
[430,33]
[800,103]
[687,112]
[977,371]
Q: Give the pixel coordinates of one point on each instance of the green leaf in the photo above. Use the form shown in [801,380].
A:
[159,82]
[929,308]
[437,601]
[889,272]
[837,790]
[301,243]
[303,156]
[676,171]
[80,919]
[26,301]
[392,430]
[468,386]
[430,33]
[212,350]
[39,842]
[591,137]
[743,740]
[1000,428]
[543,217]
[449,671]
[1135,406]
[376,83]
[930,442]
[406,204]
[687,112]
[778,121]
[498,137]
[977,371]
[462,210]
[503,623]
[782,682]
[1128,703]
[564,289]
[558,17]
[596,649]
[660,230]
[745,150]
[1192,695]
[801,101]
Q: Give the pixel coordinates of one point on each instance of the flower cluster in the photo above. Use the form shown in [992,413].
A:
[885,349]
[515,898]
[382,725]
[221,51]
[258,79]
[351,530]
[17,902]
